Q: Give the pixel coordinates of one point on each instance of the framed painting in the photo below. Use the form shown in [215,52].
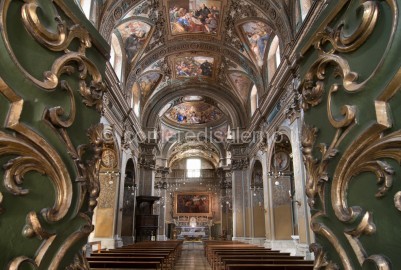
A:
[195,16]
[192,204]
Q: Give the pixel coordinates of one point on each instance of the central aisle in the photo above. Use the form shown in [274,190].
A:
[192,257]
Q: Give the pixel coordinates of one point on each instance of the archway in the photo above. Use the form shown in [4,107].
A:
[128,208]
[283,189]
[257,199]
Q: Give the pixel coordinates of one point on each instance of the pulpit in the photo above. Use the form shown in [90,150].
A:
[146,224]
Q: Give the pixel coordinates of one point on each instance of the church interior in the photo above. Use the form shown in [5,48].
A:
[187,128]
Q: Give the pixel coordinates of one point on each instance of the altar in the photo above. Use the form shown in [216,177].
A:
[192,232]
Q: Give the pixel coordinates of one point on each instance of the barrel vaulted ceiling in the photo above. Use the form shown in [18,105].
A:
[193,63]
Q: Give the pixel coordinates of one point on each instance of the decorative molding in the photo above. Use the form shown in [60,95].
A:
[368,152]
[239,164]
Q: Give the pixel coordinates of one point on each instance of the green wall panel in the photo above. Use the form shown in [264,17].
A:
[343,29]
[25,58]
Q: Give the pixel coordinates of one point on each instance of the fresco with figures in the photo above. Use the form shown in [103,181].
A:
[242,84]
[194,16]
[134,35]
[194,113]
[148,83]
[256,35]
[194,66]
[167,133]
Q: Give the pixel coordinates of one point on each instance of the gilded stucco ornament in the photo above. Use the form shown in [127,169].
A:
[29,152]
[397,200]
[32,153]
[341,40]
[1,200]
[22,260]
[82,233]
[366,153]
[58,41]
[321,258]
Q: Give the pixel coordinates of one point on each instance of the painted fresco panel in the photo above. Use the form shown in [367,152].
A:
[194,113]
[148,83]
[256,35]
[242,84]
[194,66]
[194,16]
[134,35]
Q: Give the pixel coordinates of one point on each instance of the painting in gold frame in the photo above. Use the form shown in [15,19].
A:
[192,204]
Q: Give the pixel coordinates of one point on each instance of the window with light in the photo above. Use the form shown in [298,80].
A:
[193,167]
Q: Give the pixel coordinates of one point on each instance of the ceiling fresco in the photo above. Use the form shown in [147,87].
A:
[194,112]
[135,35]
[148,83]
[194,66]
[194,16]
[167,133]
[256,35]
[177,48]
[241,83]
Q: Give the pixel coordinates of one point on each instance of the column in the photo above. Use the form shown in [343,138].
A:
[161,191]
[147,174]
[239,165]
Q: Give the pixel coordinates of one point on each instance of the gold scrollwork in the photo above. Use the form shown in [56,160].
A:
[397,200]
[54,114]
[317,170]
[54,41]
[82,233]
[364,156]
[60,41]
[321,259]
[323,230]
[343,42]
[32,153]
[95,134]
[312,89]
[17,262]
[80,263]
[34,228]
[381,262]
[1,201]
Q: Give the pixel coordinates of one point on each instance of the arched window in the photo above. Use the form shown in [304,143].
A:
[116,59]
[304,7]
[301,10]
[254,99]
[273,58]
[136,98]
[86,6]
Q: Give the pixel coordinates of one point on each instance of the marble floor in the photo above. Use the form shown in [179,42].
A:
[192,257]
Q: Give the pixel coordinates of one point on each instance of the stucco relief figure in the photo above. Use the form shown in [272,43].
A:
[199,16]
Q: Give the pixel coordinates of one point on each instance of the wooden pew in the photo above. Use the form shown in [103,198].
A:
[268,266]
[147,255]
[126,264]
[215,258]
[285,260]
